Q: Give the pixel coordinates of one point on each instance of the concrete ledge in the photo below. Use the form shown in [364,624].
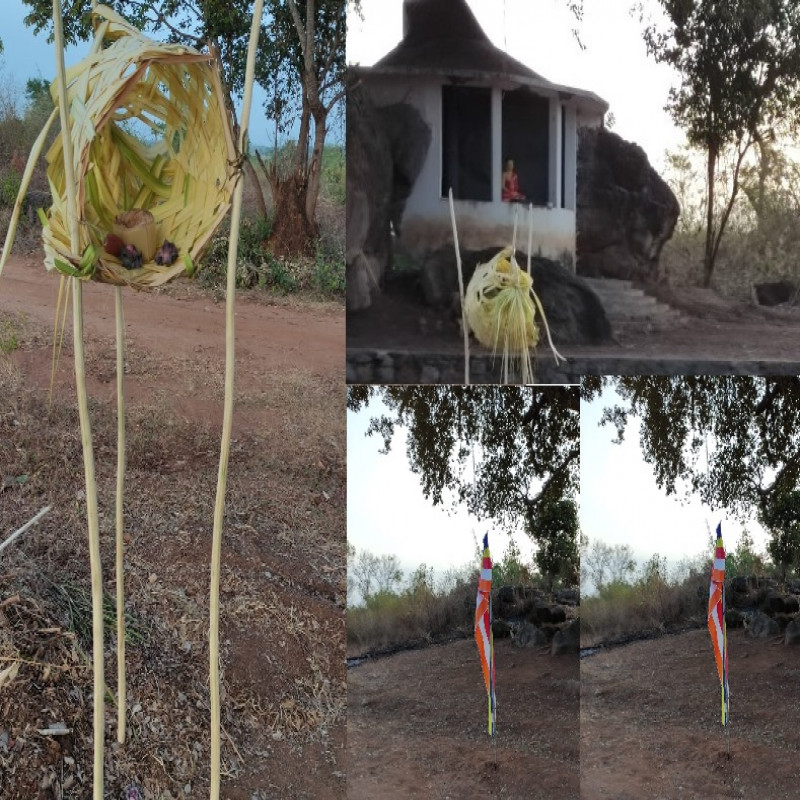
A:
[406,367]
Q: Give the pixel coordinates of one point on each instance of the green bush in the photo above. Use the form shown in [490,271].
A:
[257,268]
[9,189]
[329,270]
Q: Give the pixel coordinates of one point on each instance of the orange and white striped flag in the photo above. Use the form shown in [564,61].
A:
[483,630]
[716,620]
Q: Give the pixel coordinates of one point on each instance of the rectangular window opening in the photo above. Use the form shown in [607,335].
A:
[526,140]
[467,142]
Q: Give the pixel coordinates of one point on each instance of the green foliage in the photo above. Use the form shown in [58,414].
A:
[555,529]
[334,174]
[420,613]
[743,560]
[9,337]
[511,570]
[9,189]
[328,275]
[739,65]
[523,442]
[746,426]
[652,603]
[781,516]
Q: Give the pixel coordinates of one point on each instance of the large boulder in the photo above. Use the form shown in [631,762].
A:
[409,138]
[625,211]
[793,632]
[567,641]
[574,313]
[760,626]
[528,635]
[386,148]
[369,194]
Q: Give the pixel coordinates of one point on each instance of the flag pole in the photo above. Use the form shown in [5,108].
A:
[492,698]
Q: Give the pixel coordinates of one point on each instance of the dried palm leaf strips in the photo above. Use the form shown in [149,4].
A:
[151,132]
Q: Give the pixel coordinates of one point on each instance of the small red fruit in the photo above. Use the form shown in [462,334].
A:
[113,245]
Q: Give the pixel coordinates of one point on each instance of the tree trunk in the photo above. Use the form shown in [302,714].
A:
[250,172]
[292,232]
[315,168]
[708,260]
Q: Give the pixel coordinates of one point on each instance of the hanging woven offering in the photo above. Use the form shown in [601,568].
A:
[500,306]
[150,134]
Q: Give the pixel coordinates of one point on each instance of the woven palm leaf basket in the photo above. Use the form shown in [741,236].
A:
[151,133]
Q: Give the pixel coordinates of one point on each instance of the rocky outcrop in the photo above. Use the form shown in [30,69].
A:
[567,640]
[409,138]
[369,193]
[528,635]
[792,635]
[574,313]
[625,211]
[386,148]
[760,626]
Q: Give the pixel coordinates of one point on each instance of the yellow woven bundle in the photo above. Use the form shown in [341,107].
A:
[183,175]
[499,306]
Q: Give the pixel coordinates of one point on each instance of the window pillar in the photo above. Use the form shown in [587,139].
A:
[554,188]
[497,143]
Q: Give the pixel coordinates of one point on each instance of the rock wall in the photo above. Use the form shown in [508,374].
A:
[386,148]
[369,192]
[625,211]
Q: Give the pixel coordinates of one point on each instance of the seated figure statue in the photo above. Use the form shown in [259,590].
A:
[511,192]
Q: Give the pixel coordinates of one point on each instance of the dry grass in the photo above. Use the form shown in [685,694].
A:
[282,594]
[389,621]
[624,610]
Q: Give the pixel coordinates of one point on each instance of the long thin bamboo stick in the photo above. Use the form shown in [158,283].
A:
[227,417]
[83,412]
[462,297]
[120,576]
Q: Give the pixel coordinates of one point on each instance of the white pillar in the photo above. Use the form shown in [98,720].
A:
[554,188]
[497,143]
[570,158]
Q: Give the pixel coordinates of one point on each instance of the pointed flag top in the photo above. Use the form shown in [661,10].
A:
[485,540]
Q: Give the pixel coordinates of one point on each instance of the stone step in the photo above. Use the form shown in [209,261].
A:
[628,307]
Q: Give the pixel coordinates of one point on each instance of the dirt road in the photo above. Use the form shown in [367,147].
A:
[186,328]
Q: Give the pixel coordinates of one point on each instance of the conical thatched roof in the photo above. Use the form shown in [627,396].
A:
[444,37]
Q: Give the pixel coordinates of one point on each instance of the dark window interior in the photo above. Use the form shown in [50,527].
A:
[563,157]
[526,135]
[467,143]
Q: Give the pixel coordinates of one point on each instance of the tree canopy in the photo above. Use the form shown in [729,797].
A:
[739,67]
[300,65]
[733,441]
[524,443]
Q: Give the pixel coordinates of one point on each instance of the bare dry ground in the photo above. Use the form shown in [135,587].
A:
[650,720]
[416,726]
[283,582]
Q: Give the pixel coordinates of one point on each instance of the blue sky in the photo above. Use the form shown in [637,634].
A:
[26,55]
